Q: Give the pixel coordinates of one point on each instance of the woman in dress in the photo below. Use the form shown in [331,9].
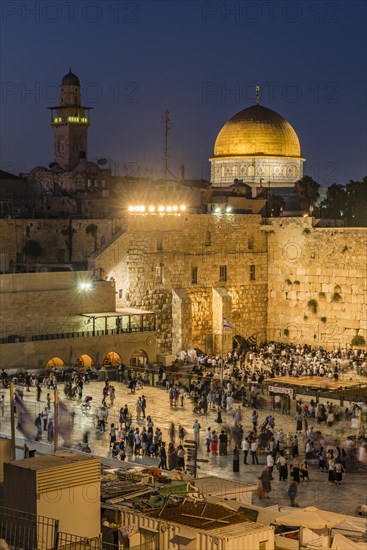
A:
[304,471]
[214,443]
[338,473]
[266,483]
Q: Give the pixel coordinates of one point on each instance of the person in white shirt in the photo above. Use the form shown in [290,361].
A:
[245,447]
[253,451]
[270,464]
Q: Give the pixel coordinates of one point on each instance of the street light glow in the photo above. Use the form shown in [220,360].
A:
[152,209]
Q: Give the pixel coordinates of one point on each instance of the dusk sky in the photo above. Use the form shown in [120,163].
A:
[200,60]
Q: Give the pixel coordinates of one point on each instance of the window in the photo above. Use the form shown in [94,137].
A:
[159,274]
[194,275]
[208,238]
[252,273]
[223,273]
[250,242]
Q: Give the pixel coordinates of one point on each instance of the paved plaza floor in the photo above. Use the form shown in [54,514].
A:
[318,492]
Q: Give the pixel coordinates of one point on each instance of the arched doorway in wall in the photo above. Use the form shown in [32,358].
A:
[112,359]
[84,362]
[55,362]
[139,358]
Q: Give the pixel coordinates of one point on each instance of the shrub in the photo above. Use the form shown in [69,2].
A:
[323,319]
[286,332]
[33,249]
[312,305]
[288,281]
[305,317]
[322,295]
[344,249]
[358,340]
[336,297]
[306,231]
[296,283]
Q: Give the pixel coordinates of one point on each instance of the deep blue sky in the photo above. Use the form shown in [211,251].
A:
[201,60]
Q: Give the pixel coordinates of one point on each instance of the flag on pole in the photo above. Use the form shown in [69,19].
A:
[25,422]
[227,324]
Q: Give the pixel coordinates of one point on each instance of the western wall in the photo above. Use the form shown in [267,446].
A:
[317,283]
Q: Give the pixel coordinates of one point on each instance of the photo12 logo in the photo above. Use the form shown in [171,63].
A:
[270,93]
[56,11]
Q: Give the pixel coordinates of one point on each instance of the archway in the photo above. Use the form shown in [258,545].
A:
[55,362]
[139,358]
[112,359]
[84,362]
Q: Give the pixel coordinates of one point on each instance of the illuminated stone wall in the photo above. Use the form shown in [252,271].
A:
[152,265]
[317,283]
[46,303]
[54,237]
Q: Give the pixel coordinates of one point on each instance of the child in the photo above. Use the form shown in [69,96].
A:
[112,435]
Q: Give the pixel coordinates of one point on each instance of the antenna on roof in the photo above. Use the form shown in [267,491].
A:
[257,94]
[167,126]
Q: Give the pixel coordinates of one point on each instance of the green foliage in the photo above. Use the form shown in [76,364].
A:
[296,283]
[307,190]
[33,249]
[306,231]
[337,288]
[288,281]
[323,319]
[348,203]
[344,249]
[336,297]
[277,205]
[322,295]
[358,340]
[91,229]
[286,332]
[305,317]
[312,305]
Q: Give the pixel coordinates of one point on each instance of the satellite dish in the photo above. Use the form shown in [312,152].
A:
[102,162]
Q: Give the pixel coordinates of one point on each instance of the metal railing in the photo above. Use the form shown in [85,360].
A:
[79,334]
[28,531]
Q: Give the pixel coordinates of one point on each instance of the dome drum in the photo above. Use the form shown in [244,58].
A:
[252,170]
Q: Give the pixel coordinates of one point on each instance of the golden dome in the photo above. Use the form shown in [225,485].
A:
[257,131]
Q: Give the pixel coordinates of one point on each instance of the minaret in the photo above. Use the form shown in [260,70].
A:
[70,121]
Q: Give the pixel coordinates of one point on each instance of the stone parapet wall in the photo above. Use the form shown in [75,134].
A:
[54,238]
[29,308]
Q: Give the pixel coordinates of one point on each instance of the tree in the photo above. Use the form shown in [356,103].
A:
[307,190]
[334,204]
[33,249]
[356,203]
[92,230]
[277,204]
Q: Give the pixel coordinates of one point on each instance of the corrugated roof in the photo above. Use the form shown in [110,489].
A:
[55,460]
[205,516]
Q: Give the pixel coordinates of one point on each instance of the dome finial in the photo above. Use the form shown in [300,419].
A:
[257,94]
